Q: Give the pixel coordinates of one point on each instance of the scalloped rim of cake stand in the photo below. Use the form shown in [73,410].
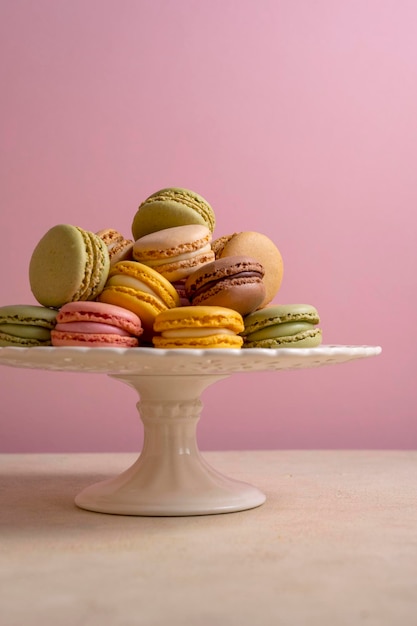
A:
[149,361]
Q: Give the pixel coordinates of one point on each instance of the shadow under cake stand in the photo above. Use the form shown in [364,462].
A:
[170,476]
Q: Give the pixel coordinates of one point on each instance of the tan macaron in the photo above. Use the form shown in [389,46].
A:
[262,249]
[175,252]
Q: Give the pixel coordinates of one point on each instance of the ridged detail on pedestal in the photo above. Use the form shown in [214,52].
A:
[170,410]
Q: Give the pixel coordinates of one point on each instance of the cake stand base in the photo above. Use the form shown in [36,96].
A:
[204,491]
[170,477]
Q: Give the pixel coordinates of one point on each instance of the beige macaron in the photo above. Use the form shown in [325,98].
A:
[175,252]
[259,247]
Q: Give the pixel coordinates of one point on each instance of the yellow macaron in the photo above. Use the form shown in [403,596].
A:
[140,289]
[198,327]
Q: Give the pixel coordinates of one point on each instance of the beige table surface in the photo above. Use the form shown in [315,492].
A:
[335,543]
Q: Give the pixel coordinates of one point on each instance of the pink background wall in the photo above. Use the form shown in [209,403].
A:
[293,118]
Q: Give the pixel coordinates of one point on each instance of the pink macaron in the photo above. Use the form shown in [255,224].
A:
[96,324]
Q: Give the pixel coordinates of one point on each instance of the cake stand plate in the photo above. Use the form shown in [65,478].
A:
[171,477]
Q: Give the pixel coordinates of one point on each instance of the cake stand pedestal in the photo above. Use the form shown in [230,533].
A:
[170,476]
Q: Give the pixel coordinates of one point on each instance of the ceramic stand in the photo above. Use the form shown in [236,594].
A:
[170,477]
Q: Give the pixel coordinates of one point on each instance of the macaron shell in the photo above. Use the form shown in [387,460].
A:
[96,267]
[171,242]
[199,317]
[280,330]
[98,312]
[231,282]
[26,325]
[123,288]
[280,314]
[68,264]
[170,207]
[95,328]
[119,248]
[101,260]
[31,314]
[260,247]
[202,343]
[283,326]
[7,340]
[122,252]
[150,277]
[25,332]
[145,306]
[218,244]
[309,339]
[243,297]
[175,252]
[227,267]
[84,291]
[202,327]
[179,270]
[25,335]
[89,340]
[51,282]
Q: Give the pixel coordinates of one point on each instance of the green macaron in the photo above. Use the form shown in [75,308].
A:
[26,325]
[68,264]
[173,206]
[283,326]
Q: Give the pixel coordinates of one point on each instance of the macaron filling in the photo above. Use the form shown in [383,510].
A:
[139,278]
[194,291]
[92,340]
[286,326]
[196,332]
[280,330]
[98,317]
[24,325]
[136,285]
[96,324]
[91,327]
[30,331]
[192,254]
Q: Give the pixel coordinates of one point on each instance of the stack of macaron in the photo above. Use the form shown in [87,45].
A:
[171,284]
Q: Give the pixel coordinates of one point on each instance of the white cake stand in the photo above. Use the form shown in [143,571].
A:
[170,477]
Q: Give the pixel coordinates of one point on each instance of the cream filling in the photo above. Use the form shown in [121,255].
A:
[133,283]
[179,257]
[196,332]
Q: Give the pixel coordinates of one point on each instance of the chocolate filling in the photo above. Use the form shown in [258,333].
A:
[252,275]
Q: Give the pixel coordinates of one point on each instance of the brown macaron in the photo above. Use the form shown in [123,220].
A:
[259,247]
[232,282]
